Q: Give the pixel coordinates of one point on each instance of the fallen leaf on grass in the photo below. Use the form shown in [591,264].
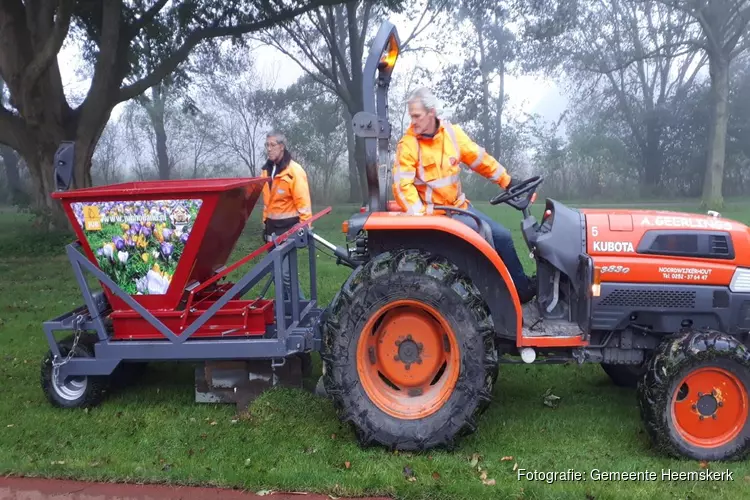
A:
[435,476]
[550,399]
[505,459]
[58,462]
[10,425]
[475,459]
[409,474]
[489,482]
[347,464]
[213,422]
[515,466]
[703,464]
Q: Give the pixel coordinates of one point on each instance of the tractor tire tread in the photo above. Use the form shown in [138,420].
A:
[400,274]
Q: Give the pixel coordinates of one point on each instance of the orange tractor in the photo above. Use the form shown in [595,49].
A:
[413,340]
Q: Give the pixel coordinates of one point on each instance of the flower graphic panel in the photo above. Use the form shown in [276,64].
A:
[138,243]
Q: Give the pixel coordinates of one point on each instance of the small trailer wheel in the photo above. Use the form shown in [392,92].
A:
[73,392]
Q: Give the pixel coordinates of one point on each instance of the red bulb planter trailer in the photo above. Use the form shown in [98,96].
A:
[159,250]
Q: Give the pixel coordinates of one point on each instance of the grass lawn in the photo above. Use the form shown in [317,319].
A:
[292,440]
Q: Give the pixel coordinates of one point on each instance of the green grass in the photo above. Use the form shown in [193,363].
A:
[292,440]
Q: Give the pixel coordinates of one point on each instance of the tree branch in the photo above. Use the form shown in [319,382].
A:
[146,18]
[199,35]
[52,45]
[12,128]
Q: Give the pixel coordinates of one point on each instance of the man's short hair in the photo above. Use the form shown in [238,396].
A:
[426,98]
[280,138]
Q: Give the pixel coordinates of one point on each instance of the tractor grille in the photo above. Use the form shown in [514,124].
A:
[650,299]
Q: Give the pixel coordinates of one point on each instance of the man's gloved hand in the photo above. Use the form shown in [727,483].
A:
[513,182]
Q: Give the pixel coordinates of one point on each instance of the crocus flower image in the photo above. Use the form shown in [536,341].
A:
[138,243]
[166,250]
[109,250]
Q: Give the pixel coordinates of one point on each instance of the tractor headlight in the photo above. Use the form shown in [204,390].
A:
[740,281]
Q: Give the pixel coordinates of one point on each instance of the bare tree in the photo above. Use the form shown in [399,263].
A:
[242,100]
[113,33]
[723,37]
[109,156]
[329,44]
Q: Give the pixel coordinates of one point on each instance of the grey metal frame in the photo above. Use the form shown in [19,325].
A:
[293,333]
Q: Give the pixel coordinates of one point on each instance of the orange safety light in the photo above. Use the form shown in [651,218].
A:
[391,54]
[345,227]
[596,288]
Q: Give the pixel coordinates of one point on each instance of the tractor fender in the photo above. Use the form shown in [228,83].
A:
[460,244]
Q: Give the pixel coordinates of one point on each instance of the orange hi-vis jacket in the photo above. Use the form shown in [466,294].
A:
[286,199]
[426,170]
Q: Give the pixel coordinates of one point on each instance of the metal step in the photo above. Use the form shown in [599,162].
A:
[534,325]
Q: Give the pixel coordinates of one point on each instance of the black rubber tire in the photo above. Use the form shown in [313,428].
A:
[672,361]
[96,388]
[417,275]
[625,375]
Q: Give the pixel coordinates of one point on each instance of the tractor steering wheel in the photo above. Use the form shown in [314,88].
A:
[512,195]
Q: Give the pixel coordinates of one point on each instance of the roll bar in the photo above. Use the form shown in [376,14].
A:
[372,122]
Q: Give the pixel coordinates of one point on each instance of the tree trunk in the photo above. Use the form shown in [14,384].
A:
[355,195]
[712,184]
[10,160]
[155,111]
[651,157]
[499,117]
[485,112]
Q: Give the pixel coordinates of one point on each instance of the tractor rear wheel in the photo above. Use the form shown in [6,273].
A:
[694,397]
[409,355]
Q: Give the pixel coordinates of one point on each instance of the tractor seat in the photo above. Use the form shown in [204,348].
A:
[484,229]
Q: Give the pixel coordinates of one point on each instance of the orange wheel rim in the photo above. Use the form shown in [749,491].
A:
[408,359]
[709,407]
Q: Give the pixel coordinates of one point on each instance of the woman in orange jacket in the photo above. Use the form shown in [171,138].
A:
[426,173]
[286,199]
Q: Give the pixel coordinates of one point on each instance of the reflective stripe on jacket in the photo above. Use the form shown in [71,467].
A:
[426,169]
[286,199]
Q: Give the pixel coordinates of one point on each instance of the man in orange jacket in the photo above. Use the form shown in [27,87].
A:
[426,173]
[286,199]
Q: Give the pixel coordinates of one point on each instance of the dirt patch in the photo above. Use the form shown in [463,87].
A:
[26,488]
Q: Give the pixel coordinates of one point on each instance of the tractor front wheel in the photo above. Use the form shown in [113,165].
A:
[408,352]
[694,397]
